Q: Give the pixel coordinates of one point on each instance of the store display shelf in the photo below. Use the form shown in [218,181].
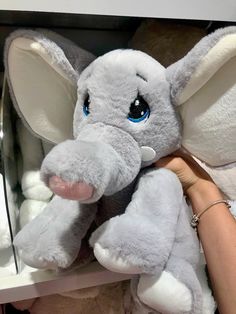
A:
[39,283]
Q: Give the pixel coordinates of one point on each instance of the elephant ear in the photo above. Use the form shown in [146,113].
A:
[42,69]
[203,86]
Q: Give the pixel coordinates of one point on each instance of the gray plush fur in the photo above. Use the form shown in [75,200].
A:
[179,73]
[151,231]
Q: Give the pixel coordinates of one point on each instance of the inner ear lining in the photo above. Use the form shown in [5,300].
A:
[223,51]
[140,76]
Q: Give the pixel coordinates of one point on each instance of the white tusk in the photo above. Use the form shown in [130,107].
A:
[148,153]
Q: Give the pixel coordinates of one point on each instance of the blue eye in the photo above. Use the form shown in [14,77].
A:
[86,106]
[139,110]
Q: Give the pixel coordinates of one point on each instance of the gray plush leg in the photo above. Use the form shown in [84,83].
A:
[53,238]
[177,283]
[140,240]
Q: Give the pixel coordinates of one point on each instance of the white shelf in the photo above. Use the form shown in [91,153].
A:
[181,9]
[39,283]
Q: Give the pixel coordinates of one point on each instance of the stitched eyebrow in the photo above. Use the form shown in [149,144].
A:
[140,76]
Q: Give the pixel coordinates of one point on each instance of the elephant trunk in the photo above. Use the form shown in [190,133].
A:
[101,161]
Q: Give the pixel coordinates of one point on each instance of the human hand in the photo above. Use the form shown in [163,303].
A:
[190,174]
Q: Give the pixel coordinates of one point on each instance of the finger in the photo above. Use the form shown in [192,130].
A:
[163,162]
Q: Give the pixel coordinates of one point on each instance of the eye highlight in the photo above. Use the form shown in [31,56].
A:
[86,106]
[139,110]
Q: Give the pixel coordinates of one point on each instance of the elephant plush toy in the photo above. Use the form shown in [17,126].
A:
[125,119]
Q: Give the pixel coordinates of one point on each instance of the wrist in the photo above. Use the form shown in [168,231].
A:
[201,186]
[202,193]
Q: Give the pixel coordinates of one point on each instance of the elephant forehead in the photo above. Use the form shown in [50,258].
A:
[120,83]
[119,76]
[129,62]
[113,83]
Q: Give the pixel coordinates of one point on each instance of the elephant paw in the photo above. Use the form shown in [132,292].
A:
[113,261]
[45,252]
[121,245]
[35,260]
[45,258]
[164,293]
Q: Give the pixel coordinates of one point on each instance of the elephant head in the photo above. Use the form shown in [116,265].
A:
[123,120]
